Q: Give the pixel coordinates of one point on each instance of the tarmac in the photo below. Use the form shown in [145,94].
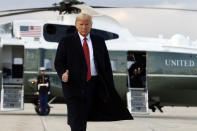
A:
[173,119]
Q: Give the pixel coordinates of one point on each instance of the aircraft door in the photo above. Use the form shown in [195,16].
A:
[137,97]
[1,68]
[12,92]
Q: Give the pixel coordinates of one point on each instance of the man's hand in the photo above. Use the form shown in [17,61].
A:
[65,76]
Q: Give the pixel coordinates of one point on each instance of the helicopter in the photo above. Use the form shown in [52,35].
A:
[167,67]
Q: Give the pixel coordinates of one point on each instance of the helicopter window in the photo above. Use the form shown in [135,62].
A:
[114,65]
[54,32]
[6,28]
[50,29]
[104,34]
[48,64]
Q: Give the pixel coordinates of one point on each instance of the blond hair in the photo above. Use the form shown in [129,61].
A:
[83,16]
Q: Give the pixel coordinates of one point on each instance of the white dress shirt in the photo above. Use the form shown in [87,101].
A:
[92,64]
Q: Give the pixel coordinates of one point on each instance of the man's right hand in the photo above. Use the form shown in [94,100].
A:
[65,76]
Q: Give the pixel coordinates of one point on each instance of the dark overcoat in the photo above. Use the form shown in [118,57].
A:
[70,56]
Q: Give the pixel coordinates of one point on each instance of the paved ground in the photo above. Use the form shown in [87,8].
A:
[173,119]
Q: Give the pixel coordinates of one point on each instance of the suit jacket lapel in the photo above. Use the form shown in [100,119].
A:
[78,46]
[94,45]
[95,51]
[79,49]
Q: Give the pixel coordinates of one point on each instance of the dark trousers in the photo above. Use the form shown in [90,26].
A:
[80,109]
[43,102]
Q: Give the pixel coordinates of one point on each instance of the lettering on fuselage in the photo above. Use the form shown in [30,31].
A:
[179,63]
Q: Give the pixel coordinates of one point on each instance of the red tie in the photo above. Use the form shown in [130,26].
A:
[87,57]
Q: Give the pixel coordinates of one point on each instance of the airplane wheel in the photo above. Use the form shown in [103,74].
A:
[37,109]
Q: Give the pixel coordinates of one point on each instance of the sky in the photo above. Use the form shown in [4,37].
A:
[140,22]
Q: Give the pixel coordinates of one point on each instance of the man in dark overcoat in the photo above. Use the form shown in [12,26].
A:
[83,65]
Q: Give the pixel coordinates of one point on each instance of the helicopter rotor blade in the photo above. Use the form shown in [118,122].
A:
[20,13]
[69,7]
[146,7]
[62,7]
[26,9]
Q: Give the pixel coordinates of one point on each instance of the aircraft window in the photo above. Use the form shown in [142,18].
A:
[104,34]
[114,65]
[6,28]
[18,61]
[54,32]
[48,64]
[50,29]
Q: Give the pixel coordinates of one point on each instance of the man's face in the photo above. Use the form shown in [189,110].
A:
[42,72]
[84,27]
